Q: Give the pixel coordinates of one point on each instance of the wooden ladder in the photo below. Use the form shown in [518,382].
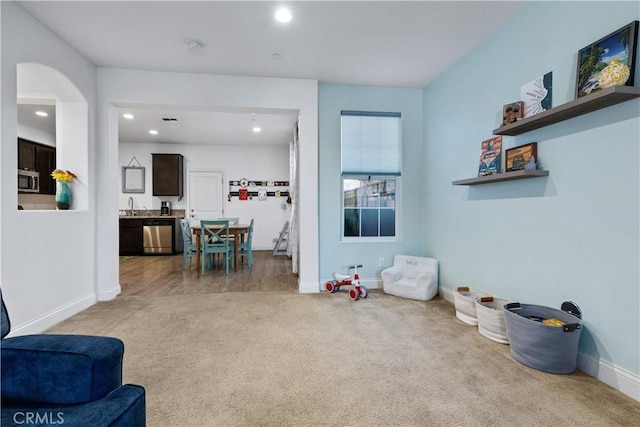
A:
[282,240]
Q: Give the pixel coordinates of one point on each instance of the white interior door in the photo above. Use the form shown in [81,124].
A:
[206,195]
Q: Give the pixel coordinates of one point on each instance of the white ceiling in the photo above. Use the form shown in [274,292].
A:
[380,43]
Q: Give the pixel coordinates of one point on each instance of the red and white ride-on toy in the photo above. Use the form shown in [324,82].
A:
[356,291]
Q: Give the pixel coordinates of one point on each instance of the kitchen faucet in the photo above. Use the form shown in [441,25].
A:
[130,204]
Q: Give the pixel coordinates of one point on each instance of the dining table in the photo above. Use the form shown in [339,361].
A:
[238,231]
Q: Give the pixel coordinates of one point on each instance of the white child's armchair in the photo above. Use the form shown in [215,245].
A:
[411,277]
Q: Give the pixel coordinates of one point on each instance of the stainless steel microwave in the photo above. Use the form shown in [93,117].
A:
[28,181]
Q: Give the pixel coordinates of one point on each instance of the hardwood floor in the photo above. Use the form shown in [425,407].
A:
[163,275]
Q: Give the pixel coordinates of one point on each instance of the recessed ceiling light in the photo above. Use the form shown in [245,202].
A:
[128,116]
[153,132]
[42,113]
[257,129]
[283,15]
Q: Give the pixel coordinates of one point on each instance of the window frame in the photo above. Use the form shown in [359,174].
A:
[396,209]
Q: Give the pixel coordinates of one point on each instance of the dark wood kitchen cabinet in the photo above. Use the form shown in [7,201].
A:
[168,174]
[26,155]
[40,158]
[131,239]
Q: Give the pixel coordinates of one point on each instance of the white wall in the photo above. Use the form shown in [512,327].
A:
[122,88]
[36,135]
[236,162]
[47,258]
[573,235]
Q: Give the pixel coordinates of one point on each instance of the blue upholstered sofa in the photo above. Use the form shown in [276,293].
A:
[71,380]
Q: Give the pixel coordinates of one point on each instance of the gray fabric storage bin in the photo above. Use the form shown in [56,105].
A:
[552,349]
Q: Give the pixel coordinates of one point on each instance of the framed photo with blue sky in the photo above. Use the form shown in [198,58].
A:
[608,61]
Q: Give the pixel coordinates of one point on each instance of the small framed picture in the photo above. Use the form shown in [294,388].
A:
[512,112]
[607,62]
[491,156]
[132,179]
[522,157]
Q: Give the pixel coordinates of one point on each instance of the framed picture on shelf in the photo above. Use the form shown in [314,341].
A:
[607,62]
[522,157]
[512,112]
[491,156]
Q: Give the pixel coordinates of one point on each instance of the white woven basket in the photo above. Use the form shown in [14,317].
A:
[465,302]
[491,319]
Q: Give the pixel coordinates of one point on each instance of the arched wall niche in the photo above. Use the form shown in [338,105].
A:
[41,84]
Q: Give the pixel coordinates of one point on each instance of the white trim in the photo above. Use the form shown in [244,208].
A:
[396,208]
[54,317]
[110,294]
[308,288]
[610,374]
[371,283]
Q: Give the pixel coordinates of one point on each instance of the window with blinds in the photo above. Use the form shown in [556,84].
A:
[370,143]
[371,168]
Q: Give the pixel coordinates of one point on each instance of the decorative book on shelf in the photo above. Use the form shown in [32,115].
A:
[490,156]
[537,95]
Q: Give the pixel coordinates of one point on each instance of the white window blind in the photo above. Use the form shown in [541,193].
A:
[371,143]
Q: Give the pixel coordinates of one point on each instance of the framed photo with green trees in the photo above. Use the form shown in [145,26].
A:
[607,62]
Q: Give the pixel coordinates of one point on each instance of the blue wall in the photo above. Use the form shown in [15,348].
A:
[571,236]
[334,254]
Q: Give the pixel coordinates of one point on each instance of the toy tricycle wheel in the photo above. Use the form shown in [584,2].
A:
[353,294]
[330,287]
[363,291]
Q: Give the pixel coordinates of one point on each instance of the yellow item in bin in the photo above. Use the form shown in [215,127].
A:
[553,322]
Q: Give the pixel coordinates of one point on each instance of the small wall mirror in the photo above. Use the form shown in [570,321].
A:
[132,179]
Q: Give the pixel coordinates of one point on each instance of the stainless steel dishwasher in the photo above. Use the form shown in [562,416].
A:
[158,236]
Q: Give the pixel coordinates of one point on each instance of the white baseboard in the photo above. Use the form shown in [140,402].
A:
[110,294]
[54,317]
[372,283]
[614,376]
[618,378]
[308,288]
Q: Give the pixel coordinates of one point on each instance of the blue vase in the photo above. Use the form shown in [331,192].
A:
[63,196]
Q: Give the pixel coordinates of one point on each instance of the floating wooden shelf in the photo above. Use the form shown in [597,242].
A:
[596,101]
[507,176]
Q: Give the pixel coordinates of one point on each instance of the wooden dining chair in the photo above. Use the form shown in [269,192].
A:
[214,239]
[246,250]
[189,247]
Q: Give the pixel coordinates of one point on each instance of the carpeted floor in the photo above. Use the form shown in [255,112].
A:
[285,359]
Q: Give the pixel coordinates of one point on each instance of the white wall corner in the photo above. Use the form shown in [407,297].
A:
[618,378]
[54,317]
